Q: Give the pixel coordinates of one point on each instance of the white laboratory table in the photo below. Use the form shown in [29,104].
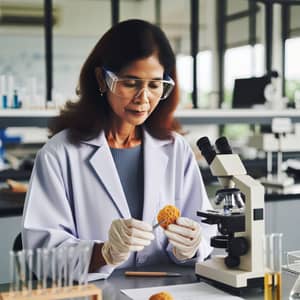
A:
[112,286]
[117,281]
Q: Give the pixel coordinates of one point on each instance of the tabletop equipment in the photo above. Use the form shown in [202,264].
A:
[240,220]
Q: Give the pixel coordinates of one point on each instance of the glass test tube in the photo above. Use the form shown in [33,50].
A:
[17,270]
[71,264]
[84,265]
[28,259]
[85,254]
[80,267]
[53,268]
[65,266]
[59,259]
[39,268]
[12,272]
[45,254]
[273,262]
[22,271]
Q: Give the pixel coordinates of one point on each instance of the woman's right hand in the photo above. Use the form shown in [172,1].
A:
[125,236]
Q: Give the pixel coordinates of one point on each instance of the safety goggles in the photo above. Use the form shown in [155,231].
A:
[129,88]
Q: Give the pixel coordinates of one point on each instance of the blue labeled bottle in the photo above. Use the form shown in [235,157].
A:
[16,100]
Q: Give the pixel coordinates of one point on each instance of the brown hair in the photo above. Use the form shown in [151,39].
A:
[122,44]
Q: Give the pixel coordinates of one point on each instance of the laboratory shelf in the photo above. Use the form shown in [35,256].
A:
[24,118]
[227,116]
[40,118]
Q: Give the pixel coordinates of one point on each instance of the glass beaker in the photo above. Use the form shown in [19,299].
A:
[293,261]
[295,292]
[273,262]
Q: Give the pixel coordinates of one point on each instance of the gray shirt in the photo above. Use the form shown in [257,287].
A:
[129,163]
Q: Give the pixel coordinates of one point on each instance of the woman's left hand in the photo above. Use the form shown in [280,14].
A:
[185,236]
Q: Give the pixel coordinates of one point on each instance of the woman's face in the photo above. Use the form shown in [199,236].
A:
[134,110]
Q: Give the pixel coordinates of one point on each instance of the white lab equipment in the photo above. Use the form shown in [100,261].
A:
[282,139]
[242,228]
[273,93]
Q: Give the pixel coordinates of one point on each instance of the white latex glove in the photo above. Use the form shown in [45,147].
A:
[185,236]
[125,236]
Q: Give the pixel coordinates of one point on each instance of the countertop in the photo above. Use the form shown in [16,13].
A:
[112,286]
[117,281]
[11,204]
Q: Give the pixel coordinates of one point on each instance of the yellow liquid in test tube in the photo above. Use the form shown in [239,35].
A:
[272,286]
[273,259]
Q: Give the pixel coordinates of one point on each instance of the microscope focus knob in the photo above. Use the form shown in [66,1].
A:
[238,246]
[219,241]
[232,261]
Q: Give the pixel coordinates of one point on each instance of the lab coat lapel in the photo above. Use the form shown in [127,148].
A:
[103,164]
[155,163]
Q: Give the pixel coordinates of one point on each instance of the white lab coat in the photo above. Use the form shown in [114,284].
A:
[75,193]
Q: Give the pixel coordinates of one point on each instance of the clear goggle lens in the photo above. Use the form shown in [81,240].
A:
[131,87]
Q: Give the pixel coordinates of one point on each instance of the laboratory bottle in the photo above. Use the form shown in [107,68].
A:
[295,292]
[273,262]
[15,99]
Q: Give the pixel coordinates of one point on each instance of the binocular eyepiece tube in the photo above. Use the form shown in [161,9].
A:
[208,150]
[223,145]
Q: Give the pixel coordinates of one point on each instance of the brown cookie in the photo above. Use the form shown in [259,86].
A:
[168,215]
[161,296]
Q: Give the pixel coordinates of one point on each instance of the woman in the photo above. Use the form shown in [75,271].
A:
[115,160]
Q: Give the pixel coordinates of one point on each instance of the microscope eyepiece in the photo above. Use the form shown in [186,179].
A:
[223,145]
[206,149]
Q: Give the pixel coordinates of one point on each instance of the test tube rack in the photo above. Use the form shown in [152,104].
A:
[90,290]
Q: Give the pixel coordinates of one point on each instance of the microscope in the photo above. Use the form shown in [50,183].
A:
[240,221]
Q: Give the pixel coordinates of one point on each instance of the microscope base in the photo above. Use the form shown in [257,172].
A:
[214,269]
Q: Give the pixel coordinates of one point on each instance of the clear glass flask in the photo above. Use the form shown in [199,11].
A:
[295,292]
[273,262]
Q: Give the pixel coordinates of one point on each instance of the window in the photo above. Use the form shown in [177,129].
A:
[244,53]
[73,39]
[292,44]
[205,78]
[137,10]
[184,65]
[253,65]
[175,22]
[22,54]
[292,69]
